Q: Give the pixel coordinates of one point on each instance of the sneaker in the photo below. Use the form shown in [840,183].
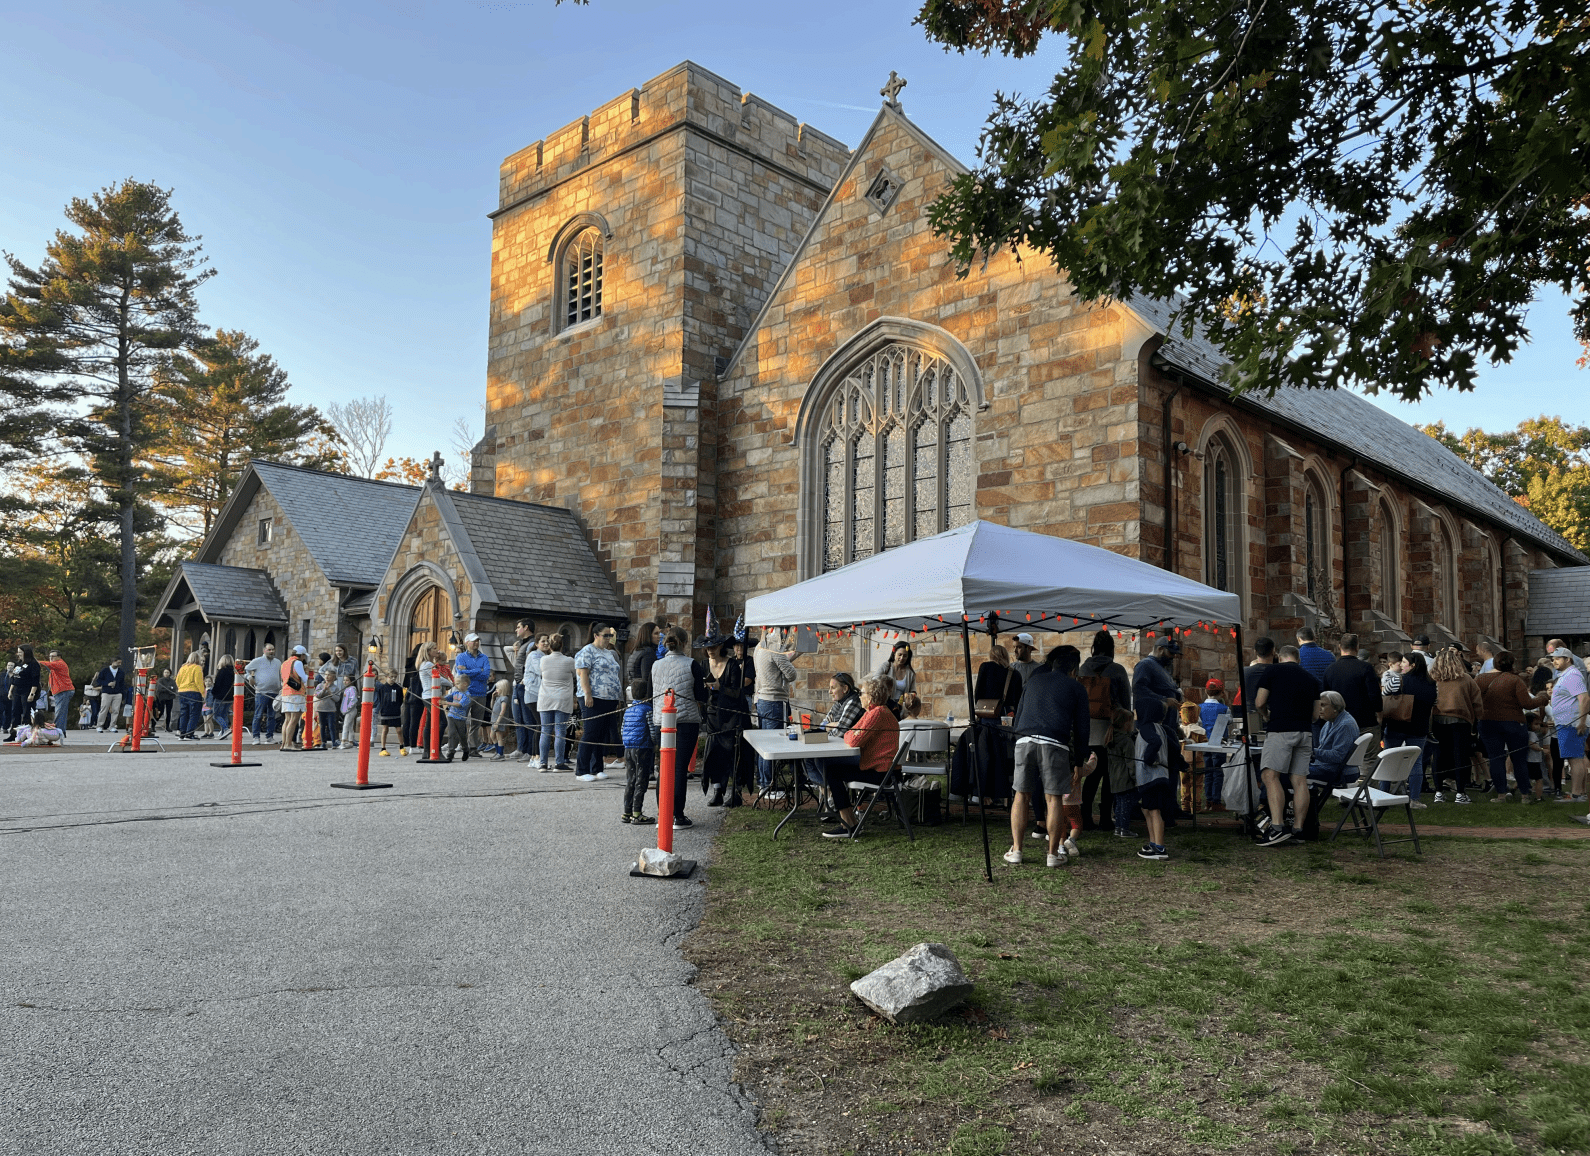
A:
[839,832]
[586,778]
[598,775]
[1530,800]
[1418,806]
[1055,860]
[626,818]
[101,730]
[496,758]
[1275,836]
[1564,797]
[1012,857]
[1125,833]
[775,796]
[1502,798]
[1039,836]
[1462,800]
[1152,851]
[682,821]
[545,770]
[255,741]
[643,820]
[1439,797]
[1069,846]
[561,767]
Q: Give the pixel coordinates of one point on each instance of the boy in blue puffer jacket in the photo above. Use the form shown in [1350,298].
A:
[637,753]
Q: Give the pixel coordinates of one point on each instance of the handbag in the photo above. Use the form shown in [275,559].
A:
[1400,711]
[989,707]
[921,805]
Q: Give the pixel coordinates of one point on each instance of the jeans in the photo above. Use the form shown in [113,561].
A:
[1124,802]
[63,707]
[221,712]
[1502,740]
[554,722]
[328,729]
[1214,778]
[527,722]
[1416,774]
[770,716]
[596,735]
[265,717]
[190,716]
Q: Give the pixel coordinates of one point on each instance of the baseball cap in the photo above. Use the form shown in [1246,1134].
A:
[300,650]
[1421,640]
[471,638]
[1214,686]
[1024,639]
[1563,652]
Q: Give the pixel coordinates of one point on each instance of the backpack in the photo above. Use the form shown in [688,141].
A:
[1100,705]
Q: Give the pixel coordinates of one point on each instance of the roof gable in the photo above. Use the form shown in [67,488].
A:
[350,525]
[223,594]
[846,197]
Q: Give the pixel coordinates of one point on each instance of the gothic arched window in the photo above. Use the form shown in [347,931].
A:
[582,277]
[895,454]
[1389,546]
[1224,555]
[1447,561]
[1316,539]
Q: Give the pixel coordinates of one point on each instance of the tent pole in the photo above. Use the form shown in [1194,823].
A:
[977,774]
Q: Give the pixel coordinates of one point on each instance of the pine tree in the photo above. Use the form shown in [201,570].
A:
[215,409]
[108,306]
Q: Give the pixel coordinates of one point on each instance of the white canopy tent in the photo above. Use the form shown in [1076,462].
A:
[995,577]
[988,577]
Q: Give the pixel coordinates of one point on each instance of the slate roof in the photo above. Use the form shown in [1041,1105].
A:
[1559,602]
[350,525]
[1350,422]
[226,594]
[536,558]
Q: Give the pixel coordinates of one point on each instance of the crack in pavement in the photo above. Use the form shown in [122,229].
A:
[196,1003]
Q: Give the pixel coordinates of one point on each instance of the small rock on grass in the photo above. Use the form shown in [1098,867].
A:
[922,984]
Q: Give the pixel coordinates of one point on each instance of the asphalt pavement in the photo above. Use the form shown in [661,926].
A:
[215,960]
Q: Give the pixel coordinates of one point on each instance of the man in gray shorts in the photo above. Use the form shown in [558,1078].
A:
[1285,695]
[1051,723]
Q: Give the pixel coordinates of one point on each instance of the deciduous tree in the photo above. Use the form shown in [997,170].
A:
[1340,192]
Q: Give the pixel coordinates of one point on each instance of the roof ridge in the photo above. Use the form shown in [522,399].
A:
[511,501]
[332,474]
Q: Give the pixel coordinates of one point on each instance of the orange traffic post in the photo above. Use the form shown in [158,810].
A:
[366,719]
[136,731]
[237,721]
[434,715]
[308,740]
[143,706]
[663,863]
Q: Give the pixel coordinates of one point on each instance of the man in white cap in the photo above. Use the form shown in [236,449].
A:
[1570,704]
[472,662]
[1026,663]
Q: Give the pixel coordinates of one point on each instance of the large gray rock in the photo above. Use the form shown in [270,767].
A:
[922,984]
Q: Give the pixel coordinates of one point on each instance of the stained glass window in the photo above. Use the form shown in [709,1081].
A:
[1223,551]
[1311,540]
[898,463]
[582,268]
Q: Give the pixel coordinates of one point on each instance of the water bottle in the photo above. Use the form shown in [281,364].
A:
[949,721]
[793,733]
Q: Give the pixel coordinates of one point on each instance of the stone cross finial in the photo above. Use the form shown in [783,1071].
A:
[891,91]
[435,465]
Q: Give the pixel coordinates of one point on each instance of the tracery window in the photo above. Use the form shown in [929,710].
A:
[895,450]
[1316,539]
[582,277]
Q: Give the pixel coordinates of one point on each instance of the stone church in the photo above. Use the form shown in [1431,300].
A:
[730,353]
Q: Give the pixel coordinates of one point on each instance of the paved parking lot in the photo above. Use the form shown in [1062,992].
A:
[204,960]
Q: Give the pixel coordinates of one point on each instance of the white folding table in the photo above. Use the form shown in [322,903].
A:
[775,746]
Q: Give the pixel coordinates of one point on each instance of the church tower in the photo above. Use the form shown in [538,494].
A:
[630,251]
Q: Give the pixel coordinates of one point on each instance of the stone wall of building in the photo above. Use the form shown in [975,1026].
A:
[296,574]
[426,540]
[1055,446]
[704,195]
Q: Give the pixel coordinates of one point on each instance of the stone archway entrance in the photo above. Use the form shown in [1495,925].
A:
[431,621]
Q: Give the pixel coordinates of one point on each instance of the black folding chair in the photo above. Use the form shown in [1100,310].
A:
[888,790]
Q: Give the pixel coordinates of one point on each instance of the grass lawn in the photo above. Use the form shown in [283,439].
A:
[1235,999]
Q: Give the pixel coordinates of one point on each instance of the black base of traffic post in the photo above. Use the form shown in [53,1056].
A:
[361,786]
[687,867]
[237,764]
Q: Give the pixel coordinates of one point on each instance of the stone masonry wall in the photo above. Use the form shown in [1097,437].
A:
[293,570]
[1056,447]
[706,194]
[425,540]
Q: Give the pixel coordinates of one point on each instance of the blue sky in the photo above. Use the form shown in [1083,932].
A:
[340,159]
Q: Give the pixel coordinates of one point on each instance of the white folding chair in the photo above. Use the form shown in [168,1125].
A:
[1365,801]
